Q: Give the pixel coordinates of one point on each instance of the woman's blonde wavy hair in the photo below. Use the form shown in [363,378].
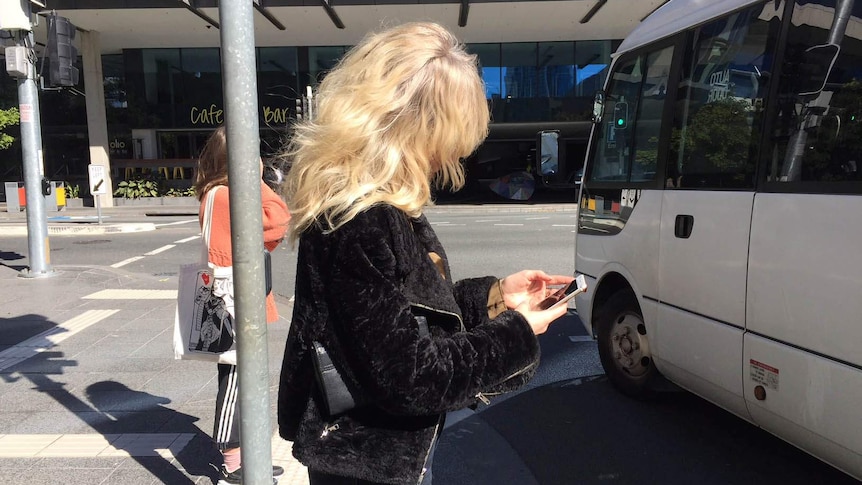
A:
[399,110]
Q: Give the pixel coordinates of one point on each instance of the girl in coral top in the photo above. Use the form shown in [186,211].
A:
[212,175]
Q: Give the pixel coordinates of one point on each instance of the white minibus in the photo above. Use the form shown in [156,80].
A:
[720,223]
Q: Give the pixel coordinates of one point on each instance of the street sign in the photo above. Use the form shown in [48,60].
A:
[98,183]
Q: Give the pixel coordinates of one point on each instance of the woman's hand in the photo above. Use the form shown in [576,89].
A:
[524,290]
[530,286]
[540,320]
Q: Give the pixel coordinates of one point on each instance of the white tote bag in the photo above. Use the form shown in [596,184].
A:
[203,325]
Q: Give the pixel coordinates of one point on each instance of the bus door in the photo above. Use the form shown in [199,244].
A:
[707,205]
[802,366]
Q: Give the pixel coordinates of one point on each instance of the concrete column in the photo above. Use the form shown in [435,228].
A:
[97,123]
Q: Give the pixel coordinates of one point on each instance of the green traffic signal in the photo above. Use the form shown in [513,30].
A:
[621,114]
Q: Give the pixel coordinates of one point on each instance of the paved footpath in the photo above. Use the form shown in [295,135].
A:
[90,391]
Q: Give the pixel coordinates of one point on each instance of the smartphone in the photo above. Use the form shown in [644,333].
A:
[564,294]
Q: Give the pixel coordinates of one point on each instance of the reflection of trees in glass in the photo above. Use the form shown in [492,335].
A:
[717,139]
[646,158]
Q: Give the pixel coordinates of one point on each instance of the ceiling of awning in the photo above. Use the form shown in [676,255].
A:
[183,24]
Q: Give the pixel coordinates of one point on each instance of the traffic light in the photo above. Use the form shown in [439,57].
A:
[61,52]
[621,115]
[299,108]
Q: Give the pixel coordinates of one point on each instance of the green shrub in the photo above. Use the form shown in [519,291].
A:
[73,191]
[137,188]
[172,192]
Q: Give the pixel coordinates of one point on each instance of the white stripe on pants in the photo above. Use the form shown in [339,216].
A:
[226,434]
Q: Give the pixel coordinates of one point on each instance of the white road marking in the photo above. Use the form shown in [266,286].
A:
[159,250]
[176,223]
[187,239]
[508,224]
[165,445]
[126,261]
[536,218]
[564,225]
[487,220]
[51,337]
[114,294]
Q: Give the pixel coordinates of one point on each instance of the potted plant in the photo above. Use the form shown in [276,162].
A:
[73,195]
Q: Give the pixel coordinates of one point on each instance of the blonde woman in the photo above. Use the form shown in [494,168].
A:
[396,115]
[211,175]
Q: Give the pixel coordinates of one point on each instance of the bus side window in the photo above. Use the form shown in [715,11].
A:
[717,121]
[628,145]
[613,149]
[649,115]
[819,136]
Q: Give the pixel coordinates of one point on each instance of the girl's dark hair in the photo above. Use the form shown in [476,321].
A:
[212,164]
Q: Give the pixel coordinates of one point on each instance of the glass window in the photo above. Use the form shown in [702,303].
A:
[627,147]
[162,84]
[649,115]
[556,69]
[162,75]
[202,81]
[489,64]
[720,102]
[818,142]
[278,85]
[592,58]
[519,70]
[278,72]
[115,81]
[322,59]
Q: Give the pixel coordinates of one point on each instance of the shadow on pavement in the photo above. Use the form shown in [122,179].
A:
[584,432]
[112,408]
[6,256]
[125,410]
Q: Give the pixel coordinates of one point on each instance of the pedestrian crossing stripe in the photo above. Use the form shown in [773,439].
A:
[166,445]
[51,337]
[133,295]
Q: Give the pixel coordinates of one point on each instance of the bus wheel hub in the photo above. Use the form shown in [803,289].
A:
[631,347]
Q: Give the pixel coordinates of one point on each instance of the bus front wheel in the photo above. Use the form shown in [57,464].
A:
[623,345]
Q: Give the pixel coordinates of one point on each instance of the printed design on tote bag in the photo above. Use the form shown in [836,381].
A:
[213,326]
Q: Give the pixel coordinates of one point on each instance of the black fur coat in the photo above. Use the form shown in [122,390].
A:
[357,290]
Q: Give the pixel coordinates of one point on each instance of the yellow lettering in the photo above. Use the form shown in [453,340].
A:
[209,116]
[275,115]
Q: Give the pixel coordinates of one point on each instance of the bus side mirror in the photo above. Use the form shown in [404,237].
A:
[817,62]
[598,106]
[549,152]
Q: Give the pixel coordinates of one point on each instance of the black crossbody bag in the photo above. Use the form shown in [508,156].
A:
[337,396]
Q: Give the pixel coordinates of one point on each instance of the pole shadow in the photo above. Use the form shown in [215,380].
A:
[111,408]
[12,256]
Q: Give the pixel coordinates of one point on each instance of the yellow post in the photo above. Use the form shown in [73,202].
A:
[61,196]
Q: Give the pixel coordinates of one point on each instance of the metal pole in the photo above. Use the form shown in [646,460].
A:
[792,170]
[243,141]
[31,148]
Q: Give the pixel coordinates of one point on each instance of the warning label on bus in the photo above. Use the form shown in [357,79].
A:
[764,374]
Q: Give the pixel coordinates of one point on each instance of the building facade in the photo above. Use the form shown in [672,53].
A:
[160,66]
